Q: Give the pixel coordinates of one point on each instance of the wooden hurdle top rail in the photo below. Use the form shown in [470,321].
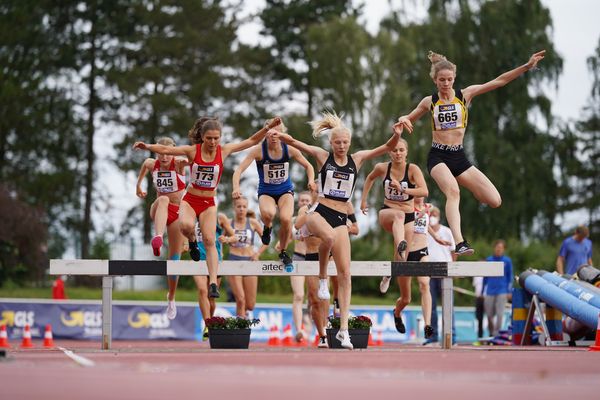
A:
[274,268]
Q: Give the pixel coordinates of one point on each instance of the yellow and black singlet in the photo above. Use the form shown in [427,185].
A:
[452,115]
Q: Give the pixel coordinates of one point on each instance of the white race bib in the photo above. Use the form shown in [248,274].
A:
[205,176]
[276,174]
[421,223]
[338,184]
[391,193]
[165,181]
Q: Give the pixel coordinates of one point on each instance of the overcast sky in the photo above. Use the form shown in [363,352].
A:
[576,34]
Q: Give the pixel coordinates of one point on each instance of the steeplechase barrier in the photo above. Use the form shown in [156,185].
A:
[107,269]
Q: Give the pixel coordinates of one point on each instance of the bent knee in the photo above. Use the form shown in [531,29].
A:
[298,298]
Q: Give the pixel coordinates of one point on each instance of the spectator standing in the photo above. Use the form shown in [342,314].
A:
[575,251]
[58,288]
[497,289]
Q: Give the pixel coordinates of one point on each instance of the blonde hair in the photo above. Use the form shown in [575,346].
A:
[281,127]
[330,123]
[439,62]
[166,141]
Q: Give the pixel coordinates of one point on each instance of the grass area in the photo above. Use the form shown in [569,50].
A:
[82,293]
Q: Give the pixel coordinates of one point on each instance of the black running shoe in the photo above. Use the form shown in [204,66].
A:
[399,324]
[402,248]
[266,235]
[463,249]
[194,252]
[428,331]
[213,291]
[285,258]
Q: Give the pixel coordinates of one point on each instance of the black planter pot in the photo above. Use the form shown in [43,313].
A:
[229,338]
[358,337]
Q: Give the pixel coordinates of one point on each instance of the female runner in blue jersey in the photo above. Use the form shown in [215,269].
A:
[447,163]
[275,188]
[327,219]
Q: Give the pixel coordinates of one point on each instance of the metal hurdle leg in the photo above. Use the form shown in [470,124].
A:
[447,308]
[107,286]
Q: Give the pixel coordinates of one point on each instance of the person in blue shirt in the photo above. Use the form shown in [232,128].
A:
[497,289]
[575,251]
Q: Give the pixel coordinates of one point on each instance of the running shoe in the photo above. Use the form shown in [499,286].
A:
[323,342]
[213,291]
[399,324]
[323,293]
[157,242]
[171,308]
[194,251]
[344,338]
[431,341]
[428,331]
[384,285]
[336,308]
[205,334]
[463,249]
[401,249]
[285,258]
[266,235]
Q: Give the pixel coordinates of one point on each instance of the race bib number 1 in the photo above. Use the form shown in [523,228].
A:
[338,184]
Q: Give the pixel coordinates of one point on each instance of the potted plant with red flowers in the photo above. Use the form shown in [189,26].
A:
[229,332]
[359,328]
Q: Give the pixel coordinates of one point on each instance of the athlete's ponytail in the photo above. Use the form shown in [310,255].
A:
[202,125]
[439,62]
[328,124]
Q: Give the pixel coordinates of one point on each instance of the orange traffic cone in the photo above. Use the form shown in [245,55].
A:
[3,338]
[274,336]
[371,341]
[596,345]
[379,338]
[48,340]
[27,343]
[287,341]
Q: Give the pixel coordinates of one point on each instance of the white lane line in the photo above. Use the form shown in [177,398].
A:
[84,362]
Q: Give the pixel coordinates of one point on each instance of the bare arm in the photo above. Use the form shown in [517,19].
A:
[377,172]
[318,153]
[352,225]
[507,77]
[363,155]
[188,151]
[301,217]
[310,171]
[146,167]
[420,189]
[253,140]
[258,229]
[406,121]
[253,155]
[560,265]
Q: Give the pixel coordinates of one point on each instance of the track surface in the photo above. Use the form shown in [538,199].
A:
[177,370]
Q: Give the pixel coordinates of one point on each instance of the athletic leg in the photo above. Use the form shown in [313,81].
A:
[267,208]
[449,186]
[250,284]
[237,287]
[297,300]
[482,188]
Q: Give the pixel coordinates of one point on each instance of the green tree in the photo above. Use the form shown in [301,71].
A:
[288,22]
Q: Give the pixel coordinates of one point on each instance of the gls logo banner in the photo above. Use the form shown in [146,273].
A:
[17,318]
[274,268]
[148,320]
[87,319]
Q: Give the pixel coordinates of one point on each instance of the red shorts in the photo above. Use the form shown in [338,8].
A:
[173,213]
[199,203]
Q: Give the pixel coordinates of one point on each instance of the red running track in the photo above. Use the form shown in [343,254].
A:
[180,370]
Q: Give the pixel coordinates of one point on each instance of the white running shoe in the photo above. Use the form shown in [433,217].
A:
[323,293]
[323,343]
[171,308]
[344,338]
[384,285]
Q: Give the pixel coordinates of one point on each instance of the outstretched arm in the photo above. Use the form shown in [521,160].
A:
[475,90]
[310,171]
[406,121]
[146,167]
[253,140]
[376,173]
[363,155]
[253,155]
[318,153]
[188,151]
